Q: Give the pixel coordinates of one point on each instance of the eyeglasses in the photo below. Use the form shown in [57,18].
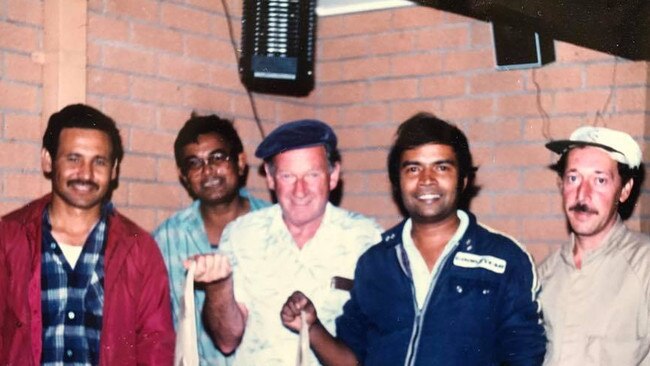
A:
[195,164]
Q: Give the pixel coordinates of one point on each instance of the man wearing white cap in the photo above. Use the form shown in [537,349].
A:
[596,289]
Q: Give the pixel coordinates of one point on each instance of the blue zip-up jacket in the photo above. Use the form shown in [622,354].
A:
[481,308]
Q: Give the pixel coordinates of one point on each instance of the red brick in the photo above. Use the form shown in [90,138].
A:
[416,17]
[154,90]
[241,105]
[482,155]
[439,86]
[7,207]
[107,82]
[23,127]
[22,68]
[549,78]
[522,105]
[480,34]
[391,43]
[18,96]
[456,109]
[128,112]
[328,71]
[468,60]
[224,76]
[167,170]
[157,38]
[129,59]
[380,136]
[447,37]
[557,128]
[545,229]
[182,69]
[172,118]
[540,251]
[330,26]
[292,112]
[181,17]
[139,167]
[155,195]
[209,48]
[343,48]
[498,131]
[101,27]
[368,22]
[453,18]
[354,182]
[568,53]
[364,114]
[511,203]
[140,9]
[347,93]
[498,180]
[18,37]
[421,64]
[20,155]
[508,81]
[145,218]
[540,179]
[370,205]
[219,27]
[351,137]
[365,68]
[520,155]
[580,101]
[394,89]
[94,54]
[364,160]
[204,98]
[27,11]
[406,109]
[28,186]
[148,141]
[213,6]
[631,100]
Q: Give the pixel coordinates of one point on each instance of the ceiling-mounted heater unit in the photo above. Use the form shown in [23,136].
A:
[278,46]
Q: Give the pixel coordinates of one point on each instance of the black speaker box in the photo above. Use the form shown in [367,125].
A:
[518,48]
[278,46]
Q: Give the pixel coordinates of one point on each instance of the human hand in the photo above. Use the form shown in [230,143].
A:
[298,305]
[210,267]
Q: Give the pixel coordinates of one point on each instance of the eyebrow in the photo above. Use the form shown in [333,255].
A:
[210,153]
[437,162]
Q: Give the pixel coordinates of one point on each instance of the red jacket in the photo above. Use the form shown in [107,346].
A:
[137,326]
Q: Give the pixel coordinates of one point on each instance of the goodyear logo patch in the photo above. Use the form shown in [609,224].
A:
[470,260]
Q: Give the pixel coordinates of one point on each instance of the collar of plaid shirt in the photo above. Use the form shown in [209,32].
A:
[72,298]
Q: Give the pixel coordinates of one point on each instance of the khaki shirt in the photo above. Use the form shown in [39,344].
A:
[598,315]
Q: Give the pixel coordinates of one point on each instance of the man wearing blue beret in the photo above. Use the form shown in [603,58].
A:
[302,243]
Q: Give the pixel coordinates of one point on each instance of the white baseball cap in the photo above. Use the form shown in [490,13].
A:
[620,145]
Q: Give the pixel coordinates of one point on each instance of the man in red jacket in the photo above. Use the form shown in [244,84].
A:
[80,283]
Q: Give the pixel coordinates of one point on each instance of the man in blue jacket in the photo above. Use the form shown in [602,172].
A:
[440,289]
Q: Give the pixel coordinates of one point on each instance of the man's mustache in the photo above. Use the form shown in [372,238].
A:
[82,182]
[581,207]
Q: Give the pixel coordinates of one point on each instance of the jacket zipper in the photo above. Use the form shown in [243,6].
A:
[411,354]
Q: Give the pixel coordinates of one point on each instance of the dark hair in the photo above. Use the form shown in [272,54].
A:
[425,128]
[624,171]
[201,125]
[82,116]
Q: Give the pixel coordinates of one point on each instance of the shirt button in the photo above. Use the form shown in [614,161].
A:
[68,353]
[486,291]
[71,315]
[53,245]
[459,289]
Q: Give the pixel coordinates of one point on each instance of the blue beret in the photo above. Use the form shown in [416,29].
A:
[296,135]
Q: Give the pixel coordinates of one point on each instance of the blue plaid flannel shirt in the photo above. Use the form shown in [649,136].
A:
[72,299]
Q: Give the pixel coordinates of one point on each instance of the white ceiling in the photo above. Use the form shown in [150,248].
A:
[335,7]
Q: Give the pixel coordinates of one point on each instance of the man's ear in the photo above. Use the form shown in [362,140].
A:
[626,190]
[46,162]
[241,163]
[559,182]
[335,175]
[181,177]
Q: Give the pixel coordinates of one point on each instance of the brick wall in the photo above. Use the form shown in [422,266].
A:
[150,63]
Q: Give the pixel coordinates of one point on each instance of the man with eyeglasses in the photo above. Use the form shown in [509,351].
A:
[211,166]
[303,243]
